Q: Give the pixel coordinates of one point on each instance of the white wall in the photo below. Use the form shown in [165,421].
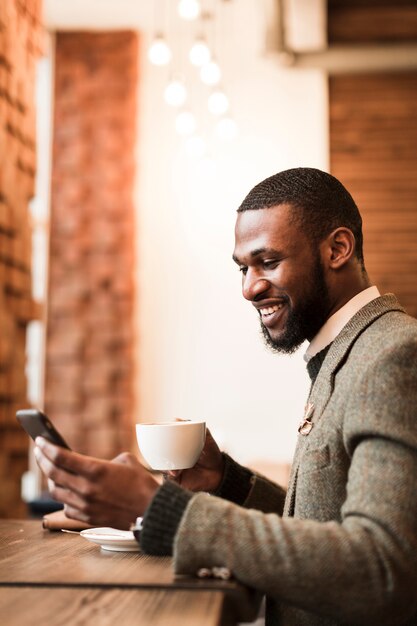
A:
[200,354]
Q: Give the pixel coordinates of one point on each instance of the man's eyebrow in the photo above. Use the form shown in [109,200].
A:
[236,260]
[257,252]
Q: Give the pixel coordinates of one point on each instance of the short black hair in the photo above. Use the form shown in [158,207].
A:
[321,202]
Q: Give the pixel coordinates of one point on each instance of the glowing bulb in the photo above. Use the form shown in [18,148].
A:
[185,123]
[226,129]
[195,146]
[199,53]
[189,9]
[175,93]
[210,73]
[218,103]
[159,53]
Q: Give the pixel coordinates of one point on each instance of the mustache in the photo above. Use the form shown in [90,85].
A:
[283,299]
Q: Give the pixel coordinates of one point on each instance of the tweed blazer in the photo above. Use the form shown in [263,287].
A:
[344,549]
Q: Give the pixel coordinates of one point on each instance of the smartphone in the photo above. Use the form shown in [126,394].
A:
[37,424]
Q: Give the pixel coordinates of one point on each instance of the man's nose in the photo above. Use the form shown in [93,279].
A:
[253,286]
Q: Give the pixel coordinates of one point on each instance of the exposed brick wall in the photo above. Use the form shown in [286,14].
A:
[20,42]
[90,342]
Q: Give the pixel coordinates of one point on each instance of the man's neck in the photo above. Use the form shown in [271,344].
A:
[354,283]
[334,324]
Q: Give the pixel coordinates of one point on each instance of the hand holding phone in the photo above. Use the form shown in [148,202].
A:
[37,424]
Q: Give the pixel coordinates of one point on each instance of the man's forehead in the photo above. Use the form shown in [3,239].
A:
[263,222]
[269,229]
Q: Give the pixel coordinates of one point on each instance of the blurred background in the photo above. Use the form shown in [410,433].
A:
[130,132]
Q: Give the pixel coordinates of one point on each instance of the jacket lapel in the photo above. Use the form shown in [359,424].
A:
[322,389]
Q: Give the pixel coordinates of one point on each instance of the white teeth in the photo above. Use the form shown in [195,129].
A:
[271,309]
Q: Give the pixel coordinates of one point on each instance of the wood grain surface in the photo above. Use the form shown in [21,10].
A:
[373,136]
[54,571]
[108,607]
[371,21]
[32,555]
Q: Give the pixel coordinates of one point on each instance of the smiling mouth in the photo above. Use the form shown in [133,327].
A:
[270,310]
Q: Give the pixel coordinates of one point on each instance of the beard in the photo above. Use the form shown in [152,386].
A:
[304,320]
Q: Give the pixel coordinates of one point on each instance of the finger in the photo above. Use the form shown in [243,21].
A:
[61,477]
[66,496]
[52,484]
[50,470]
[74,513]
[174,474]
[209,437]
[126,458]
[67,459]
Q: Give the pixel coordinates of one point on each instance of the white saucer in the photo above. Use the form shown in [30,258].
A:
[112,539]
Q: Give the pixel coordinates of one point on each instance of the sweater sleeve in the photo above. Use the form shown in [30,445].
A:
[236,481]
[250,489]
[162,518]
[239,485]
[164,514]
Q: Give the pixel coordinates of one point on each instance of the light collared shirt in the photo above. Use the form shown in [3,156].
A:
[332,327]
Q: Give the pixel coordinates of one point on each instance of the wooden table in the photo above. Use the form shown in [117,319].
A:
[57,578]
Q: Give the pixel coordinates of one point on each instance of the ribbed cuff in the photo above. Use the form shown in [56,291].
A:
[236,481]
[162,518]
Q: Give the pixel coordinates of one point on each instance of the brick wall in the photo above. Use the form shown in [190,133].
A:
[20,43]
[89,363]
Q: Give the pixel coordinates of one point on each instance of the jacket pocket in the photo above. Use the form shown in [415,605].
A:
[315,459]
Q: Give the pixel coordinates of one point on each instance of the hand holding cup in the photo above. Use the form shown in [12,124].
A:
[207,473]
[184,451]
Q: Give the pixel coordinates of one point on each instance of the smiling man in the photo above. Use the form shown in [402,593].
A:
[339,546]
[282,276]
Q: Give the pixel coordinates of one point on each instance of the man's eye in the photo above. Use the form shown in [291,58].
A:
[243,269]
[271,264]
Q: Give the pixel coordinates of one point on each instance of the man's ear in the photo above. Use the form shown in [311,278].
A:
[339,247]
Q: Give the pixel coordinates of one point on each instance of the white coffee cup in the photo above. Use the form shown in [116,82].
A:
[171,445]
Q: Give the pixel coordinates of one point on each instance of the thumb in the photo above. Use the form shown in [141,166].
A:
[173,474]
[126,458]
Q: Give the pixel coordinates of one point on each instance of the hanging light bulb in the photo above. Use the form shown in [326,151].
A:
[226,129]
[210,73]
[185,123]
[199,53]
[159,52]
[195,146]
[189,9]
[218,103]
[175,93]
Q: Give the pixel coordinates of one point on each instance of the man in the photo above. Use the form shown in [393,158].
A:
[339,547]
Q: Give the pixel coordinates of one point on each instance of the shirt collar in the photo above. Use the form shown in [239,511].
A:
[332,327]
